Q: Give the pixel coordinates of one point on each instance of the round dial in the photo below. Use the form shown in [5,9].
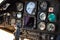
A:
[19,6]
[43,5]
[42,16]
[19,15]
[41,26]
[30,7]
[51,27]
[52,17]
[8,14]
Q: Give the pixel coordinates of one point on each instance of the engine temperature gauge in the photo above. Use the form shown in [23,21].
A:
[43,16]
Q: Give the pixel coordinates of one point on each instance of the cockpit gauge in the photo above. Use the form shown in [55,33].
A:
[52,17]
[26,39]
[19,6]
[42,16]
[31,8]
[8,14]
[43,5]
[41,26]
[51,27]
[19,15]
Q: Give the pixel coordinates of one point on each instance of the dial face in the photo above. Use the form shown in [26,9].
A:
[51,27]
[43,5]
[30,7]
[41,26]
[42,16]
[19,6]
[19,15]
[52,17]
[8,14]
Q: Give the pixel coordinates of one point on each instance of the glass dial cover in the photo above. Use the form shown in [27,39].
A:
[41,26]
[19,6]
[30,7]
[42,16]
